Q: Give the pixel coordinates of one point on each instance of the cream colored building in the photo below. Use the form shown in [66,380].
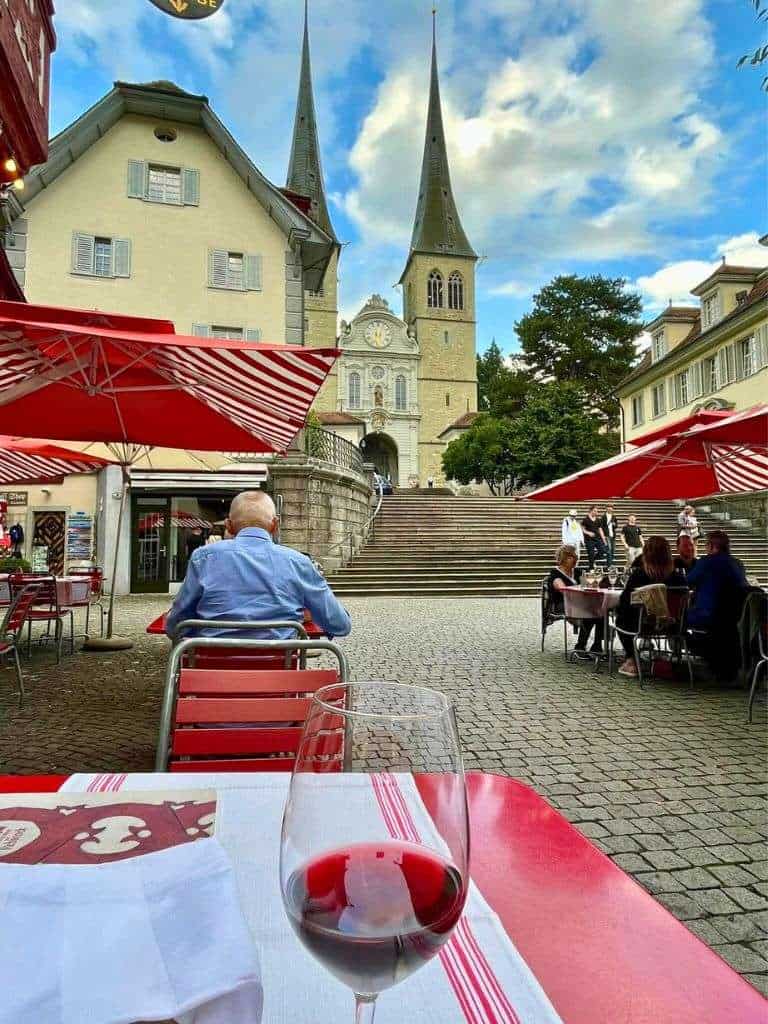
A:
[713,355]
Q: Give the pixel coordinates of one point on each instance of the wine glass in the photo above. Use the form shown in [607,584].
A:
[373,884]
[613,575]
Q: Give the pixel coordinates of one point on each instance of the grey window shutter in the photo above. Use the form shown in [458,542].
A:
[137,179]
[201,331]
[722,368]
[217,268]
[761,346]
[733,373]
[672,403]
[82,253]
[694,381]
[253,272]
[190,179]
[253,334]
[121,257]
[738,360]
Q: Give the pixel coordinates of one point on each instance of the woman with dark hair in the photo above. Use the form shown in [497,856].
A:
[565,574]
[656,566]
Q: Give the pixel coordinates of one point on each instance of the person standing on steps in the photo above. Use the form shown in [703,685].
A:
[609,527]
[570,532]
[430,482]
[632,538]
[594,538]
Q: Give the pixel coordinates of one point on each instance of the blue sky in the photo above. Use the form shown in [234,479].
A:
[584,136]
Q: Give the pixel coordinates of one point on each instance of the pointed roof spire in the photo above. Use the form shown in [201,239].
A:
[305,172]
[437,227]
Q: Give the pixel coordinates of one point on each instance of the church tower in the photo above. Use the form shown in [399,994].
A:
[439,294]
[305,180]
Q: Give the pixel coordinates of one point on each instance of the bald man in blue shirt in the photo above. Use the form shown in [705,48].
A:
[251,578]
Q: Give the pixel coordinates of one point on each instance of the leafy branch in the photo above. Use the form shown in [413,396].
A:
[760,55]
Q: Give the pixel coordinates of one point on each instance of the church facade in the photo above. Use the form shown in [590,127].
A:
[401,383]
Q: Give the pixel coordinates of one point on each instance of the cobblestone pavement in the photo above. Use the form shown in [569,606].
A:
[671,785]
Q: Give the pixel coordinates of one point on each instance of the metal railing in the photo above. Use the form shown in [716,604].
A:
[364,534]
[752,507]
[327,447]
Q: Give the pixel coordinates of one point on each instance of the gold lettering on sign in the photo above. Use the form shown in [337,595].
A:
[179,5]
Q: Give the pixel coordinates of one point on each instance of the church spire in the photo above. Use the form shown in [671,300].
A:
[305,172]
[437,227]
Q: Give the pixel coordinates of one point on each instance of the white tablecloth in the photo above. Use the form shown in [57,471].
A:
[478,978]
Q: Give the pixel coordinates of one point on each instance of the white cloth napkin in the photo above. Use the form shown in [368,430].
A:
[479,978]
[146,939]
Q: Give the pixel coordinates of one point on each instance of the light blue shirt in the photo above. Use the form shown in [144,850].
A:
[252,578]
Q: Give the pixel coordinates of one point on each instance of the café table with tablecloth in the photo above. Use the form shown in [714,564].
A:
[71,590]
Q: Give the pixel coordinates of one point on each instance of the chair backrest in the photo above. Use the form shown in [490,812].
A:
[239,657]
[674,625]
[95,575]
[242,719]
[17,612]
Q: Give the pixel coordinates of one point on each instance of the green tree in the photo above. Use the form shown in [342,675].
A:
[489,366]
[583,329]
[760,55]
[557,433]
[484,452]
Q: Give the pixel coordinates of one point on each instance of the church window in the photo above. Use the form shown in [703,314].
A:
[401,394]
[456,291]
[446,339]
[447,400]
[435,290]
[354,390]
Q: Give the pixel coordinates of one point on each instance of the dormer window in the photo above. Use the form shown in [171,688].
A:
[710,310]
[658,346]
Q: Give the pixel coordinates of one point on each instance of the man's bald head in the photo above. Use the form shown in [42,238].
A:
[252,508]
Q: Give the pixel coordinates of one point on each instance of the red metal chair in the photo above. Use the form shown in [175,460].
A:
[240,657]
[12,626]
[242,719]
[96,577]
[659,636]
[45,608]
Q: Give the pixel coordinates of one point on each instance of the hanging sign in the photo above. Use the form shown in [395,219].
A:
[189,9]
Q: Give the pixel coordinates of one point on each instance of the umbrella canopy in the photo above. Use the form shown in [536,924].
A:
[86,381]
[729,456]
[27,461]
[696,419]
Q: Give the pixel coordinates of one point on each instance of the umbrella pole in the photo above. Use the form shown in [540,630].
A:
[110,642]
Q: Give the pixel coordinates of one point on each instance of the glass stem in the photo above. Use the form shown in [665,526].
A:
[365,1008]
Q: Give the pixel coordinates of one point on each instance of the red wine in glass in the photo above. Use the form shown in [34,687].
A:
[373,913]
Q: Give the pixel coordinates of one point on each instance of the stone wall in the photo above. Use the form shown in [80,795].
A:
[322,506]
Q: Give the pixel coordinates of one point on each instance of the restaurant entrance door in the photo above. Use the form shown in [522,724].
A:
[150,532]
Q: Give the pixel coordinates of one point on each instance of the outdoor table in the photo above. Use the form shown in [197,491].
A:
[588,603]
[157,627]
[603,949]
[71,590]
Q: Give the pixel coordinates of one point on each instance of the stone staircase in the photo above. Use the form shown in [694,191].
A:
[430,543]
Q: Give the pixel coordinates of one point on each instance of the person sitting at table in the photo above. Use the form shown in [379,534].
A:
[656,566]
[251,578]
[566,574]
[720,587]
[685,559]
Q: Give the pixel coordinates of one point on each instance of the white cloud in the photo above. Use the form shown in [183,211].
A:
[517,289]
[673,282]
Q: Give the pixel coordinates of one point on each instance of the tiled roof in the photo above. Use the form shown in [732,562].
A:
[337,419]
[727,270]
[462,423]
[759,291]
[676,313]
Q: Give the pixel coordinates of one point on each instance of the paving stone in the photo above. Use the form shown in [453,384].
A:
[697,878]
[742,958]
[715,901]
[747,899]
[665,860]
[731,874]
[760,981]
[659,881]
[632,862]
[739,928]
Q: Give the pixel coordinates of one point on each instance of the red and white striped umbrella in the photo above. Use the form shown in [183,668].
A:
[726,457]
[28,461]
[128,386]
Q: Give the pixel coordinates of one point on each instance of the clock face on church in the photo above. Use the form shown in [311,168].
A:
[378,334]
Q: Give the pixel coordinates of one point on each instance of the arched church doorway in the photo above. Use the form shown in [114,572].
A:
[381,450]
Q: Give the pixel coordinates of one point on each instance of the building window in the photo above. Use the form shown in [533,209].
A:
[681,389]
[174,186]
[710,310]
[638,414]
[401,393]
[709,375]
[164,185]
[456,291]
[747,357]
[658,402]
[102,257]
[659,346]
[435,290]
[165,134]
[447,400]
[227,333]
[317,294]
[235,271]
[354,390]
[446,338]
[97,256]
